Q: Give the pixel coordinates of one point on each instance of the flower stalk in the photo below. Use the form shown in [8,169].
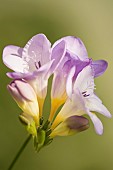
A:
[19,152]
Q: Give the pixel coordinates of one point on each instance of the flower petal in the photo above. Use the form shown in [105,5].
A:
[95,104]
[70,126]
[37,50]
[97,123]
[69,82]
[58,53]
[75,45]
[11,49]
[45,70]
[15,63]
[25,97]
[73,106]
[58,88]
[17,75]
[85,81]
[25,90]
[99,67]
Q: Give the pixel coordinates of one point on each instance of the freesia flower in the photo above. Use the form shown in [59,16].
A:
[72,85]
[34,63]
[82,100]
[85,85]
[76,55]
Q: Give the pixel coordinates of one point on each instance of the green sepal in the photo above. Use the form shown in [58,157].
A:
[39,140]
[31,128]
[48,141]
[45,126]
[23,120]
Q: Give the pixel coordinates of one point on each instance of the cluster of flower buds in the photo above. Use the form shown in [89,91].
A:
[72,86]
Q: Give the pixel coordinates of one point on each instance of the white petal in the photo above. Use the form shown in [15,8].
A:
[58,85]
[75,45]
[85,81]
[15,63]
[97,123]
[73,106]
[58,53]
[69,82]
[95,104]
[11,49]
[37,50]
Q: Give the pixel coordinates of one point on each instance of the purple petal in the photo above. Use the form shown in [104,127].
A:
[97,123]
[75,45]
[25,90]
[17,75]
[69,82]
[95,104]
[58,53]
[58,88]
[71,126]
[73,60]
[11,49]
[85,81]
[77,123]
[44,70]
[99,67]
[15,63]
[37,49]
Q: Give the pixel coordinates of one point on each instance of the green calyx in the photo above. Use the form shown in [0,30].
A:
[40,134]
[42,138]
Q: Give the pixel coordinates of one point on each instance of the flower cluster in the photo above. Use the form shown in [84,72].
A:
[72,86]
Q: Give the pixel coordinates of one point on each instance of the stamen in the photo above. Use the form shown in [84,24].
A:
[39,63]
[84,94]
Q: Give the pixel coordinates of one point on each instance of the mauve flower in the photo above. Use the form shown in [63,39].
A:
[84,83]
[72,85]
[34,63]
[76,55]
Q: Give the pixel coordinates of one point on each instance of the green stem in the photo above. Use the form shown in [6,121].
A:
[19,152]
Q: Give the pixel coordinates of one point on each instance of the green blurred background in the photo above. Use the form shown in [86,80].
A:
[90,20]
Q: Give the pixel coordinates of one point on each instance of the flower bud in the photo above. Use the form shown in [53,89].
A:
[70,126]
[25,97]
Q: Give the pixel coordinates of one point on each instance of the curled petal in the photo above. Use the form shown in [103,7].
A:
[75,45]
[69,83]
[58,53]
[95,104]
[85,81]
[97,123]
[15,63]
[99,67]
[12,50]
